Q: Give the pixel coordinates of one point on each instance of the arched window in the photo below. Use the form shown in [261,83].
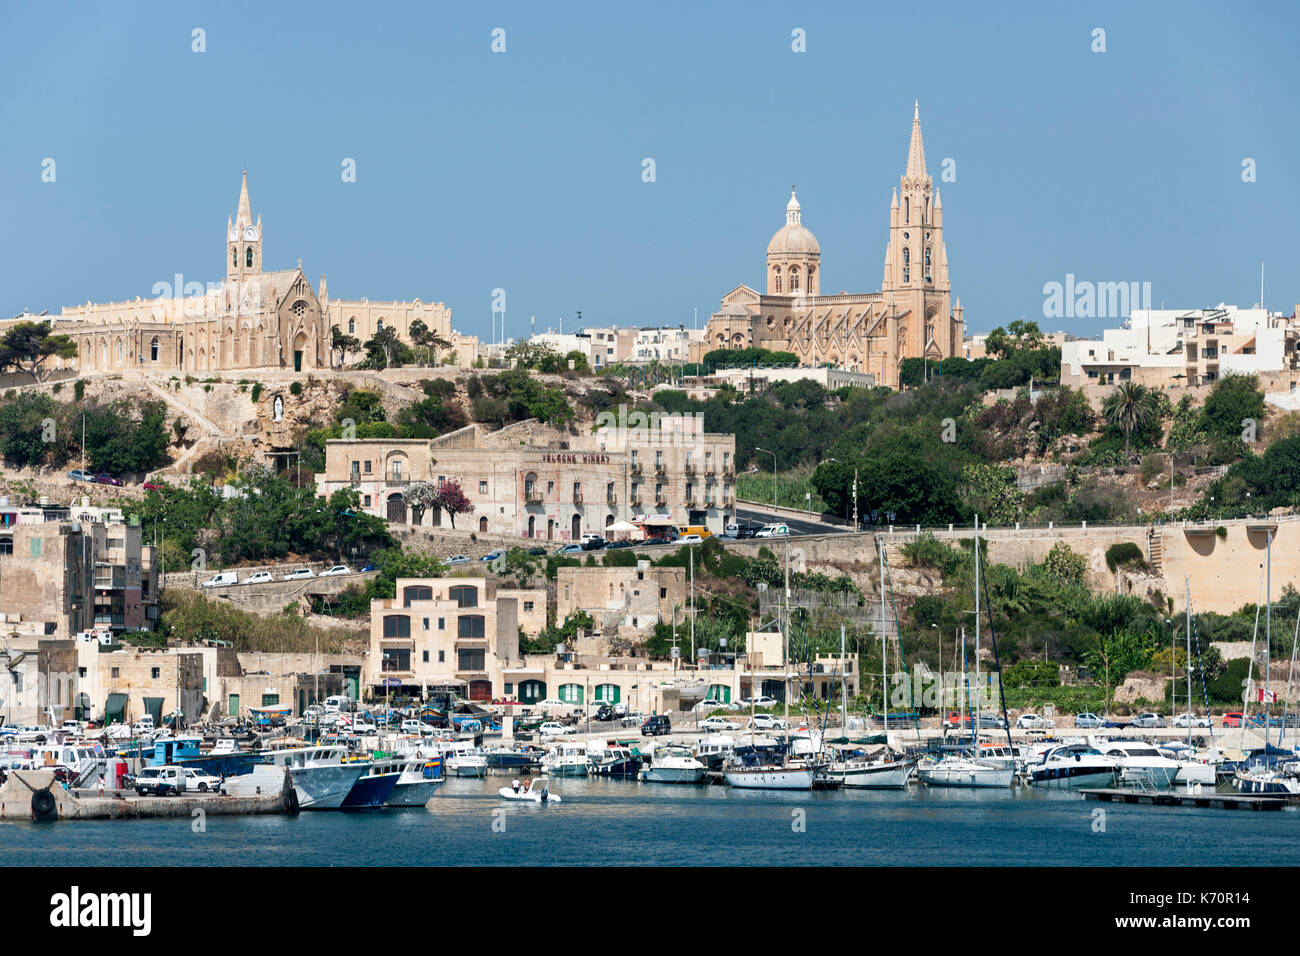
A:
[794,280]
[234,258]
[379,326]
[396,625]
[465,595]
[248,257]
[352,326]
[927,263]
[416,592]
[153,349]
[482,524]
[778,280]
[907,209]
[907,267]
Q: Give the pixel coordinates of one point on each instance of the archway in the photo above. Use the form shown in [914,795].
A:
[396,508]
[576,529]
[550,529]
[532,526]
[299,351]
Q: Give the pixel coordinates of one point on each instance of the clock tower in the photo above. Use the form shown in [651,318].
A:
[243,240]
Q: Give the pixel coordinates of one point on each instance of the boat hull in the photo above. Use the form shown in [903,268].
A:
[370,791]
[887,776]
[457,767]
[769,778]
[1072,777]
[324,788]
[415,794]
[508,793]
[672,774]
[617,768]
[966,775]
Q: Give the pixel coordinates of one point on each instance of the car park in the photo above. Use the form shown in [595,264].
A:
[259,577]
[221,579]
[1191,720]
[299,574]
[79,475]
[458,559]
[1147,721]
[1089,721]
[718,724]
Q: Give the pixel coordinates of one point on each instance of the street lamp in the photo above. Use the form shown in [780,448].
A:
[773,454]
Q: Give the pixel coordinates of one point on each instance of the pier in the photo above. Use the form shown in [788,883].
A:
[34,795]
[1192,798]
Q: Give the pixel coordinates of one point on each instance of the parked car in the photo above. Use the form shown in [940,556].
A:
[955,720]
[1034,722]
[494,554]
[553,728]
[656,726]
[369,567]
[1147,721]
[689,539]
[335,570]
[763,701]
[458,559]
[990,722]
[154,486]
[1233,718]
[1089,721]
[259,577]
[766,722]
[568,549]
[718,724]
[593,542]
[79,475]
[1191,720]
[160,780]
[299,574]
[604,713]
[221,579]
[536,551]
[361,726]
[774,530]
[201,781]
[615,545]
[104,478]
[1116,723]
[710,704]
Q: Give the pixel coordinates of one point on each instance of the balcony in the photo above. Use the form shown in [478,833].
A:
[532,496]
[688,468]
[636,467]
[577,497]
[636,498]
[710,469]
[397,478]
[611,498]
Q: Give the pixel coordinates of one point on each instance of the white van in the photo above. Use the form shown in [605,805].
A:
[776,530]
[222,579]
[339,703]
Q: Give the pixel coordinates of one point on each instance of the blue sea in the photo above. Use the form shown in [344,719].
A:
[626,823]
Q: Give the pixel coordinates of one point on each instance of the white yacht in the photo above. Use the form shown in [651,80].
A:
[460,759]
[863,773]
[961,771]
[672,764]
[1071,767]
[1192,767]
[712,750]
[1140,762]
[566,759]
[321,777]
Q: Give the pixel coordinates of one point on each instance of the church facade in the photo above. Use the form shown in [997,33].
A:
[912,316]
[251,319]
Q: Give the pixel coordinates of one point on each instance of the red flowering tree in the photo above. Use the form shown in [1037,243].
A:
[451,498]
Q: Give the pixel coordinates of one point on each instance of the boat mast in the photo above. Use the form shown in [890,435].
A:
[884,655]
[1187,583]
[785,654]
[974,709]
[1268,633]
[844,686]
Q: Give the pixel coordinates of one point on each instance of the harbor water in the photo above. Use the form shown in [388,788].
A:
[625,823]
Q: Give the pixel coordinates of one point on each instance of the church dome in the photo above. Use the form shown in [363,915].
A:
[794,237]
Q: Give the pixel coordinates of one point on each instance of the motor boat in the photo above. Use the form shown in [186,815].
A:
[712,750]
[1266,782]
[322,776]
[460,759]
[374,786]
[1191,768]
[615,760]
[505,758]
[567,759]
[1071,767]
[672,764]
[417,780]
[961,771]
[537,792]
[1139,762]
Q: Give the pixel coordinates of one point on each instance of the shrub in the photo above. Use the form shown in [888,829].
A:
[295,388]
[1221,532]
[1124,553]
[79,389]
[256,393]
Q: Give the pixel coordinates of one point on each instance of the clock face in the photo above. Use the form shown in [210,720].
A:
[234,234]
[250,233]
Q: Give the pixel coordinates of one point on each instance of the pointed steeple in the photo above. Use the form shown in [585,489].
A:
[244,214]
[893,204]
[916,152]
[938,203]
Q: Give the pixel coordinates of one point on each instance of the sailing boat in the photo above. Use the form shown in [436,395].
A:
[958,770]
[1190,770]
[755,768]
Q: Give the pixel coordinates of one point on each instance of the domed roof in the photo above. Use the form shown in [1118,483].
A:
[793,237]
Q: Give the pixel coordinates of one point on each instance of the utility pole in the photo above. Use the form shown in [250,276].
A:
[855,501]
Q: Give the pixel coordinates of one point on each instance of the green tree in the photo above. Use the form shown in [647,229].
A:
[1131,406]
[1235,402]
[27,346]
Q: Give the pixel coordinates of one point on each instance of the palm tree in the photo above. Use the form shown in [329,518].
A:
[1131,406]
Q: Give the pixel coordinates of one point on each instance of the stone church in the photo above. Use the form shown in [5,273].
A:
[252,319]
[913,314]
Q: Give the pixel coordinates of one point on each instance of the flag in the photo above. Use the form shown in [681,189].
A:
[1267,696]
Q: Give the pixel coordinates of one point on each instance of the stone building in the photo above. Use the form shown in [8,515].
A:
[913,315]
[531,480]
[622,599]
[251,319]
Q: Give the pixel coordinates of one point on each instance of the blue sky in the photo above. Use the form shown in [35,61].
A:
[523,170]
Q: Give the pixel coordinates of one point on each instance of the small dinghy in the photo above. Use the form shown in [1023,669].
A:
[537,793]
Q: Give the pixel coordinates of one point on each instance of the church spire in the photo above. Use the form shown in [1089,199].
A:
[792,213]
[916,152]
[244,214]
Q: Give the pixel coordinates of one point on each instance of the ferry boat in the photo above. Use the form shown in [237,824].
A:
[672,764]
[1071,767]
[322,776]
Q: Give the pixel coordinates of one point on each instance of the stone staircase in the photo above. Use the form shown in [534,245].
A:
[1156,550]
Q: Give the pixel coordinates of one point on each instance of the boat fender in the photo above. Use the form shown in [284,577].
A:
[43,806]
[291,800]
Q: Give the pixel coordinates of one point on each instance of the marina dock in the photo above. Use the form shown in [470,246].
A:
[1185,798]
[34,795]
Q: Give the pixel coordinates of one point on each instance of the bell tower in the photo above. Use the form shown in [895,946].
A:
[243,240]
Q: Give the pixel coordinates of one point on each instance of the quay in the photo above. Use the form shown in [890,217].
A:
[34,795]
[1185,798]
